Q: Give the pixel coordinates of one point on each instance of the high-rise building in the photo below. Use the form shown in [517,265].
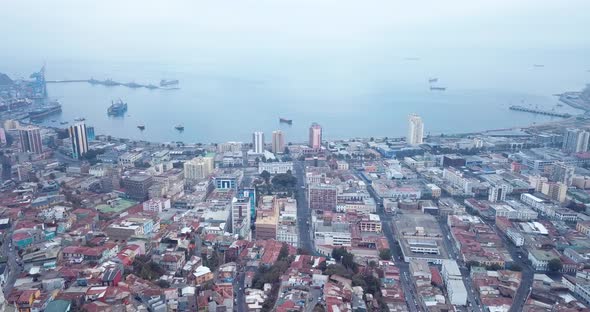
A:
[563,173]
[78,140]
[30,139]
[240,216]
[415,130]
[555,190]
[315,136]
[278,142]
[90,133]
[258,142]
[575,140]
[198,168]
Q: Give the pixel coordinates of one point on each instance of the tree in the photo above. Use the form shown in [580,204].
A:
[554,265]
[338,253]
[385,254]
[284,181]
[266,176]
[286,151]
[284,253]
[163,283]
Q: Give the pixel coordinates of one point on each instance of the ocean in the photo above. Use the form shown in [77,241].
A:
[356,68]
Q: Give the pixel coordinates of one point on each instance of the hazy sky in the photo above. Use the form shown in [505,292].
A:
[177,29]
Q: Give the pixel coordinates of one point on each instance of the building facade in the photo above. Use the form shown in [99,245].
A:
[415,130]
[278,142]
[315,136]
[78,140]
[30,140]
[258,142]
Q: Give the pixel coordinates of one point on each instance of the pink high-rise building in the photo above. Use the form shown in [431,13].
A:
[315,136]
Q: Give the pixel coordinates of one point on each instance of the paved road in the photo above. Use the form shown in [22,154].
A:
[12,266]
[519,258]
[303,212]
[240,297]
[454,254]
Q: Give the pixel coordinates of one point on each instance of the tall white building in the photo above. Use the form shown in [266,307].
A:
[278,142]
[78,139]
[575,140]
[240,216]
[415,130]
[198,168]
[258,142]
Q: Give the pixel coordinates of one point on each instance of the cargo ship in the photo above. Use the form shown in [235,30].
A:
[167,83]
[179,127]
[45,111]
[433,80]
[432,88]
[117,108]
[285,120]
[141,127]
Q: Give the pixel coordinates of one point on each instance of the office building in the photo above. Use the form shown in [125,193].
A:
[315,136]
[415,130]
[267,218]
[278,142]
[240,216]
[575,140]
[30,140]
[78,140]
[90,133]
[322,197]
[137,186]
[198,168]
[555,191]
[563,173]
[258,142]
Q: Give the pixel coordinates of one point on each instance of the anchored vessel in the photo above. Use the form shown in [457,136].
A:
[179,127]
[167,83]
[117,108]
[285,120]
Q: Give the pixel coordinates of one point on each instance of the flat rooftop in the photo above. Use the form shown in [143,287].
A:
[119,205]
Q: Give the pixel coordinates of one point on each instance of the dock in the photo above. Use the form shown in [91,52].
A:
[110,83]
[539,111]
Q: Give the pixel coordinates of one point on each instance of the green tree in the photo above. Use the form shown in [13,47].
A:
[284,252]
[266,176]
[338,253]
[554,265]
[284,181]
[385,254]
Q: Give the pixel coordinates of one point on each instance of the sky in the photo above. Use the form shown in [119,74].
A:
[179,29]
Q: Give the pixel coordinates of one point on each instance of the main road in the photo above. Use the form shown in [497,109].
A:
[303,212]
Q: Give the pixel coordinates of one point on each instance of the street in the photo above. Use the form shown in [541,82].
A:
[303,212]
[12,267]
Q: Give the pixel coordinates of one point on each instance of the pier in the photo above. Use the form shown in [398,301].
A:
[110,83]
[539,111]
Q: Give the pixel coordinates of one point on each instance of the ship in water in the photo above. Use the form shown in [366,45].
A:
[80,119]
[167,83]
[132,85]
[151,86]
[117,108]
[141,127]
[45,111]
[433,88]
[179,127]
[433,80]
[538,65]
[285,120]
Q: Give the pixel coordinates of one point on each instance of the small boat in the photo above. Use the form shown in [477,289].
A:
[141,127]
[80,119]
[63,123]
[538,65]
[285,120]
[432,80]
[151,86]
[432,88]
[179,127]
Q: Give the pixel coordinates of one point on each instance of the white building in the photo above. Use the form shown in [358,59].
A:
[258,142]
[497,193]
[128,159]
[240,216]
[524,214]
[198,168]
[275,167]
[278,142]
[156,205]
[515,237]
[415,130]
[454,282]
